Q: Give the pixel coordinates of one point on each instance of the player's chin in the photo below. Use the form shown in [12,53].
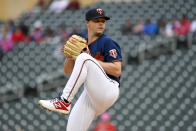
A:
[99,33]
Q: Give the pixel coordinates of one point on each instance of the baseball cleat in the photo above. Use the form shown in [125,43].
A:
[57,105]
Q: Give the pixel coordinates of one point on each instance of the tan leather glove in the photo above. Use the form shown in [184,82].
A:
[74,46]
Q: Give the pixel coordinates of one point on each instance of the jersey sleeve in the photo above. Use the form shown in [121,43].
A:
[112,51]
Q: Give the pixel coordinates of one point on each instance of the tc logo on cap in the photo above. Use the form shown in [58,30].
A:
[100,11]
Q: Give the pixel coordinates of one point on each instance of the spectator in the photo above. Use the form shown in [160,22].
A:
[5,31]
[182,32]
[37,34]
[41,3]
[150,28]
[11,26]
[169,30]
[127,27]
[161,26]
[74,5]
[138,28]
[17,35]
[184,26]
[58,5]
[171,26]
[193,28]
[24,28]
[39,6]
[105,124]
[48,35]
[49,32]
[6,43]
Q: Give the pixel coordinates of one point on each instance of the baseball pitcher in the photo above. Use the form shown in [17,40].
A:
[94,61]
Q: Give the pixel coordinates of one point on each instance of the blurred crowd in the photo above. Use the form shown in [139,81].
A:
[13,32]
[55,5]
[174,27]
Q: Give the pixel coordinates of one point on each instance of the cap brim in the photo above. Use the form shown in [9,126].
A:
[106,18]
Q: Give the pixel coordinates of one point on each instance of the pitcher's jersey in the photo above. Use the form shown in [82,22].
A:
[106,50]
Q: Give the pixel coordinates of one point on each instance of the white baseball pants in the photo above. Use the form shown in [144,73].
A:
[99,93]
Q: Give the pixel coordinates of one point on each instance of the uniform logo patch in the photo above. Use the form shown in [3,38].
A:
[113,53]
[100,11]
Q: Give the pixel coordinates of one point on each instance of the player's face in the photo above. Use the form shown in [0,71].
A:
[97,26]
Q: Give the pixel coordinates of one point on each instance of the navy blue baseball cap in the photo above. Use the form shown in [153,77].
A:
[96,13]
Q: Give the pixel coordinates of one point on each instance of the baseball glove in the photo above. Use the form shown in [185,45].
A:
[74,46]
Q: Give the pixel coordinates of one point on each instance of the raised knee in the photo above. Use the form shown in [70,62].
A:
[84,56]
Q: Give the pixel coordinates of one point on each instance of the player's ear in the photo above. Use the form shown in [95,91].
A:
[86,22]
